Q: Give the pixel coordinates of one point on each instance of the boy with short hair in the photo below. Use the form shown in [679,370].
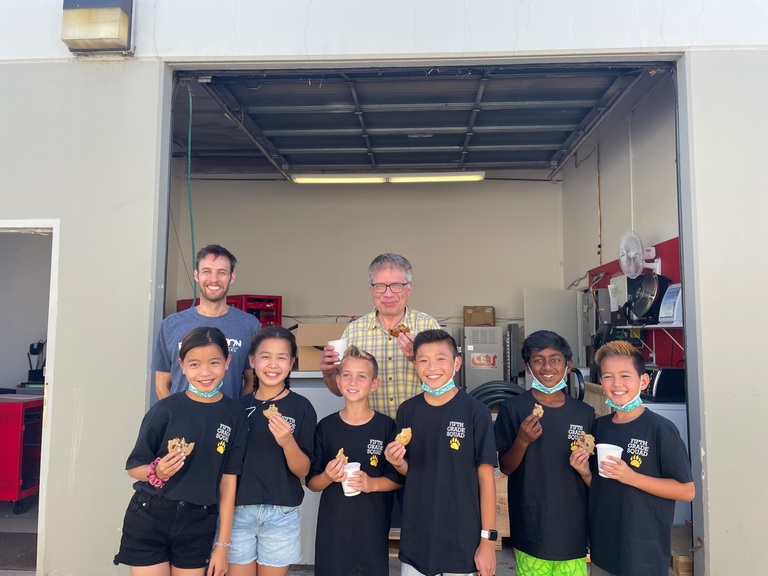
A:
[547,498]
[353,532]
[449,508]
[631,509]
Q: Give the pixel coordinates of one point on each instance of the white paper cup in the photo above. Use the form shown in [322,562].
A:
[349,469]
[340,346]
[605,450]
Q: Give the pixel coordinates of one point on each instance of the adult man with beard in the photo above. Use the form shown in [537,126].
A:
[214,273]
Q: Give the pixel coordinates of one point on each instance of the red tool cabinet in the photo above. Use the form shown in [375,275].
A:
[21,429]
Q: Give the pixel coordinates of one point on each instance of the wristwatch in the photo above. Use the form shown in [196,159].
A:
[491,535]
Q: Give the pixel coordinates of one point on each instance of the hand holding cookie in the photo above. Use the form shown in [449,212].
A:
[175,444]
[587,442]
[272,410]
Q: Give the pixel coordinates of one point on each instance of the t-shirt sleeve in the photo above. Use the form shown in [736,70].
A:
[389,470]
[236,451]
[319,459]
[504,429]
[305,436]
[161,361]
[674,461]
[151,433]
[485,444]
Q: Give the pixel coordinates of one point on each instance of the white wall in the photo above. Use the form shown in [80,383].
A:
[315,29]
[24,284]
[477,244]
[725,198]
[637,179]
[82,147]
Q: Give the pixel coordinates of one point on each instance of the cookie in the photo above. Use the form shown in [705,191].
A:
[340,454]
[271,410]
[180,444]
[397,330]
[404,437]
[586,441]
[538,410]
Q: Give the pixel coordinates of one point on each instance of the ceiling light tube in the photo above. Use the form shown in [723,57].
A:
[437,177]
[336,179]
[413,178]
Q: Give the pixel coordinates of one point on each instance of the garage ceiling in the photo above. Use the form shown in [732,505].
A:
[289,122]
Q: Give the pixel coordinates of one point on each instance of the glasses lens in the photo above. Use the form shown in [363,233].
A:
[379,288]
[396,288]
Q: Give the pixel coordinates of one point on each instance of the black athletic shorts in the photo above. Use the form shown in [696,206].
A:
[157,530]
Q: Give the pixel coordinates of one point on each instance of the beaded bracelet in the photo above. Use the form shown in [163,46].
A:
[223,544]
[152,477]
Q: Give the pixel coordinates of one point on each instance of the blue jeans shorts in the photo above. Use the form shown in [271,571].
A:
[157,530]
[267,534]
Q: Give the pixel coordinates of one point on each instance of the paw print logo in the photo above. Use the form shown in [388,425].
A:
[220,447]
[374,461]
[635,461]
[574,446]
[454,443]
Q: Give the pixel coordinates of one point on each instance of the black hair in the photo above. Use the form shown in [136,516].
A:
[620,349]
[354,352]
[542,339]
[431,336]
[218,252]
[203,336]
[266,334]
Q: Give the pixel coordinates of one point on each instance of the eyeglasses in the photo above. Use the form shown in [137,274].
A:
[395,287]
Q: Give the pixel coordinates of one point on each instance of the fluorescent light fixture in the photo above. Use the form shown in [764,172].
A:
[437,177]
[391,178]
[336,179]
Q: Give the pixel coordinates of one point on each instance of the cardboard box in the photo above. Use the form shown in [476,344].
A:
[311,338]
[479,316]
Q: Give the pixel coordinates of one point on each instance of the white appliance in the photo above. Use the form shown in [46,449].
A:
[677,414]
[483,350]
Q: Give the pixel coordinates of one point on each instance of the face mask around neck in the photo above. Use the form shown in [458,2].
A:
[541,388]
[210,394]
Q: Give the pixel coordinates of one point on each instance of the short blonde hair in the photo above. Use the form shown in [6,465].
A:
[621,349]
[354,352]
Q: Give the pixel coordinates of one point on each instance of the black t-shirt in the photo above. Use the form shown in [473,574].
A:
[630,529]
[547,497]
[353,531]
[441,503]
[266,478]
[218,430]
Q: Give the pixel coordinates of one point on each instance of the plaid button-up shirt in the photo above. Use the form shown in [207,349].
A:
[399,380]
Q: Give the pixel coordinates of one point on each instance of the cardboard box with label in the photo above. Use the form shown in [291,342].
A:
[311,338]
[479,316]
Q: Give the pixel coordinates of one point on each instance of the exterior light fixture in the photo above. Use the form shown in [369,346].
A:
[97,25]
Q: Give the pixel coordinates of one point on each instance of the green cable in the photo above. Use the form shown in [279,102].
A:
[189,190]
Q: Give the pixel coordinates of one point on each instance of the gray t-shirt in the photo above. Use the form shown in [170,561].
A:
[238,326]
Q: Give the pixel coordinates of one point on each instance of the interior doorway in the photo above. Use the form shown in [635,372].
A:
[26,256]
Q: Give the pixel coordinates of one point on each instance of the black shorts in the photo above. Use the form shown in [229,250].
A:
[157,530]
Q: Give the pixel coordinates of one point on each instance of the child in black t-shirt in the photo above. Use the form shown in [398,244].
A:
[186,461]
[449,505]
[547,498]
[352,530]
[632,499]
[267,526]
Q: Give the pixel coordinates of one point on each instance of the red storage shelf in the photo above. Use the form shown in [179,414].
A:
[267,308]
[21,424]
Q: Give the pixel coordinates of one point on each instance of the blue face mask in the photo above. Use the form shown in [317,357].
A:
[450,385]
[541,388]
[628,407]
[210,394]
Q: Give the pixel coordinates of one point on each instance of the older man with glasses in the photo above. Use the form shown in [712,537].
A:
[387,333]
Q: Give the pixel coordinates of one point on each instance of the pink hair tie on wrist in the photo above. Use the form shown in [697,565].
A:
[152,477]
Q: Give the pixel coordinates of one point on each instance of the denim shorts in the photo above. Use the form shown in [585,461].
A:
[267,534]
[157,530]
